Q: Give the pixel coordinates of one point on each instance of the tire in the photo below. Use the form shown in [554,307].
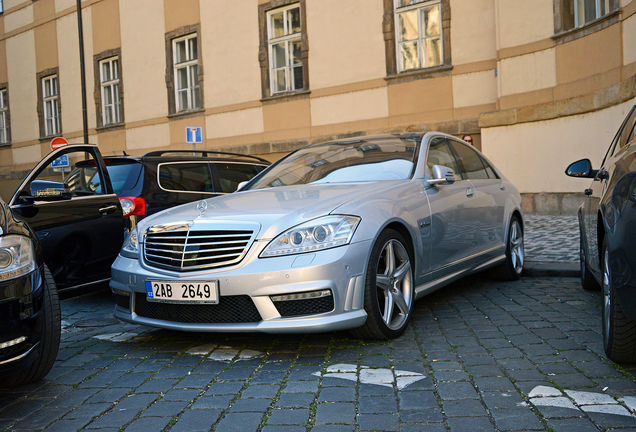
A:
[588,281]
[512,267]
[389,288]
[49,324]
[619,334]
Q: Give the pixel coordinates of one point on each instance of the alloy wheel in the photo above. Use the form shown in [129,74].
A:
[394,284]
[517,253]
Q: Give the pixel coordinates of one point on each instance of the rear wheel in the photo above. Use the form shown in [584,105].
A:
[512,267]
[49,326]
[389,289]
[619,334]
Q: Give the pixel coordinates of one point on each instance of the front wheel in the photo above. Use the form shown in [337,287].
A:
[619,334]
[512,267]
[389,288]
[49,324]
[587,279]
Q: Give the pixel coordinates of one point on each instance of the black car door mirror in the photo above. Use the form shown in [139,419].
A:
[581,168]
[46,190]
[442,175]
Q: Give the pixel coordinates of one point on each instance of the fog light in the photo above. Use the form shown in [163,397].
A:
[301,296]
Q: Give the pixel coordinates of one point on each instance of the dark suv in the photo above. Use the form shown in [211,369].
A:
[29,304]
[162,179]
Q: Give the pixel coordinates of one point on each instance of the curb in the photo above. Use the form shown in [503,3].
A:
[552,269]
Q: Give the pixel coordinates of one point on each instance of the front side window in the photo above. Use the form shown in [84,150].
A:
[284,42]
[418,25]
[109,79]
[4,117]
[440,154]
[50,99]
[186,73]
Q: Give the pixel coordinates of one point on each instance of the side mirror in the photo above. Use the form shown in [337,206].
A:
[45,190]
[442,175]
[581,168]
[241,184]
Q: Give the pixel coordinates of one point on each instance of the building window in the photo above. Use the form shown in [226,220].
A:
[5,137]
[572,14]
[109,83]
[186,73]
[284,49]
[418,26]
[50,99]
[285,57]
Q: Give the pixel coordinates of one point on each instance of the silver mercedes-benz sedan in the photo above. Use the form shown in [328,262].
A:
[339,235]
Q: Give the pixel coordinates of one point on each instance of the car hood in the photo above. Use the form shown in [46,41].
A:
[275,209]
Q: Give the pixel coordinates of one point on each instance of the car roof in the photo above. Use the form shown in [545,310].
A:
[184,156]
[361,138]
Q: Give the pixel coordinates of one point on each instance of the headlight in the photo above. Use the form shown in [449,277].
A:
[16,256]
[318,234]
[130,249]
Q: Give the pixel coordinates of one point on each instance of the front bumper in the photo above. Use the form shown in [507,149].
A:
[20,331]
[251,284]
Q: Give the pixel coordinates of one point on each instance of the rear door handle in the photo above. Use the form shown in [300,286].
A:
[469,192]
[108,209]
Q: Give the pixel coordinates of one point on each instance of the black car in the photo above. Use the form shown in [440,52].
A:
[607,221]
[162,179]
[29,304]
[76,216]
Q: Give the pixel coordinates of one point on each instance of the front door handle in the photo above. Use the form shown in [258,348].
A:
[469,192]
[107,210]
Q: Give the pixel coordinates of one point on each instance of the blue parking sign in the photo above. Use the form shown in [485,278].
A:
[60,162]
[194,135]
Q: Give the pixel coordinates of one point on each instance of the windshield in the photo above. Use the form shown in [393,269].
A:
[390,158]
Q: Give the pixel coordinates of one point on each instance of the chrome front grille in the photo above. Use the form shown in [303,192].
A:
[184,248]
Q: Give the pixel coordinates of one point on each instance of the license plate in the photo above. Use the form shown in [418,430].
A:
[182,292]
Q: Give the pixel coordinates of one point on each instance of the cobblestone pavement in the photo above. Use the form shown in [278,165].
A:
[478,356]
[551,239]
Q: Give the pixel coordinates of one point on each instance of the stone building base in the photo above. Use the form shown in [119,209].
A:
[565,204]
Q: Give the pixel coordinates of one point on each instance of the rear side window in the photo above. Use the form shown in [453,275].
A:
[470,161]
[187,177]
[230,175]
[123,176]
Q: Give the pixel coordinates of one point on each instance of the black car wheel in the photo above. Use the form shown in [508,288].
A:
[50,329]
[389,290]
[619,334]
[512,267]
[587,279]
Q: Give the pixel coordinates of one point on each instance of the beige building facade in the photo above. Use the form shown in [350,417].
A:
[538,84]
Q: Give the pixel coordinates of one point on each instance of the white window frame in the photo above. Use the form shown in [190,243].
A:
[420,5]
[112,84]
[4,117]
[192,66]
[288,39]
[51,104]
[579,6]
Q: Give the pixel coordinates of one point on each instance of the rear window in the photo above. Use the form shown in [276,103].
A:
[123,176]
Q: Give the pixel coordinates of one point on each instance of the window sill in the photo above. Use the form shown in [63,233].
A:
[587,29]
[433,72]
[186,114]
[48,138]
[286,97]
[110,127]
